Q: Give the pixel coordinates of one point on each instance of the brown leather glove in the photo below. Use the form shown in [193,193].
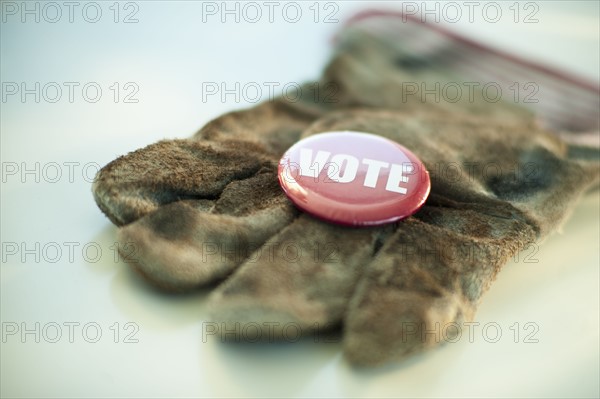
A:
[209,209]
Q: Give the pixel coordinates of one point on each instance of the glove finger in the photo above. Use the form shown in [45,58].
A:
[428,276]
[305,276]
[138,183]
[274,125]
[191,243]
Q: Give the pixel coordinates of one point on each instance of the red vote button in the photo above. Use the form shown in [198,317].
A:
[354,178]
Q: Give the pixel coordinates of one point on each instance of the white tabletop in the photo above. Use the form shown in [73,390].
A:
[59,274]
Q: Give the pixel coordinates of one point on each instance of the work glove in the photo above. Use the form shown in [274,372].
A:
[209,211]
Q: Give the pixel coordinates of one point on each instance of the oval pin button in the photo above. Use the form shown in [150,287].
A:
[354,178]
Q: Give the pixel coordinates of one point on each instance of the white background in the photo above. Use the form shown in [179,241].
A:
[168,54]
